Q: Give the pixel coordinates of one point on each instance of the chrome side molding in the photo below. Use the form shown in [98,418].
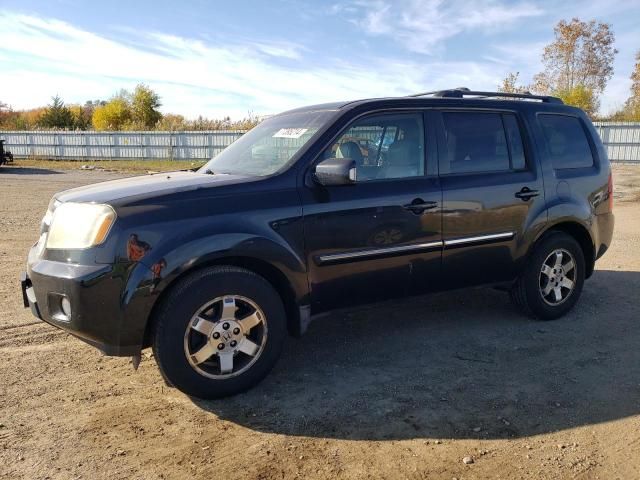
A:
[479,238]
[416,247]
[373,252]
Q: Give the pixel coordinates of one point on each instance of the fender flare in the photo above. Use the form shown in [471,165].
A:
[576,220]
[144,291]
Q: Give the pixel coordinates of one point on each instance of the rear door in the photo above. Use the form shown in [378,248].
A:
[364,241]
[492,193]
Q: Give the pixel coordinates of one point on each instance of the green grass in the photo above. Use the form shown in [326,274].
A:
[140,166]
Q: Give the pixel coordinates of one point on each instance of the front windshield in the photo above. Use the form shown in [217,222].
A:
[269,146]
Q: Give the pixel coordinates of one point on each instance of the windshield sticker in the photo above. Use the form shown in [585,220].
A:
[290,133]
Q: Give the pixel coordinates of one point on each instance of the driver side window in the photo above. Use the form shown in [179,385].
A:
[383,146]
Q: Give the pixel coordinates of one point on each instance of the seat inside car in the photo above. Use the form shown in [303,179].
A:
[350,150]
[403,157]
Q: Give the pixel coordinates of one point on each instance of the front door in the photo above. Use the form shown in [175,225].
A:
[364,240]
[492,193]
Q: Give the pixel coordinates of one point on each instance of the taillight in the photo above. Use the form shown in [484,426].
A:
[610,192]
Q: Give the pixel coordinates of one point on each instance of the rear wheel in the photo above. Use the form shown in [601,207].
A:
[219,332]
[552,281]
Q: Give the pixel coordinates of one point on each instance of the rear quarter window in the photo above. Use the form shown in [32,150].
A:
[566,141]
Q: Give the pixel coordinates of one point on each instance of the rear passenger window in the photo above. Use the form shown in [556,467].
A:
[566,141]
[482,142]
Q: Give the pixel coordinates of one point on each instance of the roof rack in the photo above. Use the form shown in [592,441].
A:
[462,92]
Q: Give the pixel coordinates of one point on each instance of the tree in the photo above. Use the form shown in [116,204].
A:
[80,119]
[31,119]
[7,117]
[581,54]
[114,115]
[172,122]
[632,105]
[83,114]
[144,107]
[57,115]
[581,97]
[510,84]
[127,111]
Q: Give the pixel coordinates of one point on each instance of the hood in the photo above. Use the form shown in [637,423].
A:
[146,186]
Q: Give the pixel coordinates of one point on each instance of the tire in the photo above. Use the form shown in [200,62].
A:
[528,292]
[203,311]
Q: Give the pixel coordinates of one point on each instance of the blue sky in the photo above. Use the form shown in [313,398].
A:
[229,58]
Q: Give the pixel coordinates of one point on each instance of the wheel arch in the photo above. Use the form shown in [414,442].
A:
[275,276]
[580,233]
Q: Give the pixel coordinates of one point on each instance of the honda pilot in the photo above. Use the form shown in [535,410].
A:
[320,208]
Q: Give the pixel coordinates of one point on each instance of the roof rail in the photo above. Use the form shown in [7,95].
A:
[462,92]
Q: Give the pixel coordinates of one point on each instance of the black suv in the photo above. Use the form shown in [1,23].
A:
[325,207]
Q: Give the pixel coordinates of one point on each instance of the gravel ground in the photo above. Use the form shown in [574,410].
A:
[454,385]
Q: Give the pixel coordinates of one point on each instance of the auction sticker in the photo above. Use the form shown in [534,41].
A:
[290,132]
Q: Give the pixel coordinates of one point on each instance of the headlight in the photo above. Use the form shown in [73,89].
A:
[46,221]
[80,225]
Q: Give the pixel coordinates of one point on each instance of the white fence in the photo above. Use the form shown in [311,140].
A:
[622,140]
[119,145]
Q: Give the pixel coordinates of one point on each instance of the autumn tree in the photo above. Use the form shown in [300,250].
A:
[632,105]
[510,84]
[581,97]
[579,62]
[83,114]
[129,111]
[172,122]
[113,115]
[7,117]
[581,54]
[144,107]
[5,114]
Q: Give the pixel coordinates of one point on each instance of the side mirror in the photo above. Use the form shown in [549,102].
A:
[336,171]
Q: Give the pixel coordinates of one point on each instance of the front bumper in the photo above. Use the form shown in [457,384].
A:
[95,294]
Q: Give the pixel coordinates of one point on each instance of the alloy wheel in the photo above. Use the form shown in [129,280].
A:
[225,337]
[557,279]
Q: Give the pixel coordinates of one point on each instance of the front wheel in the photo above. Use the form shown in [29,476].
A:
[552,280]
[219,332]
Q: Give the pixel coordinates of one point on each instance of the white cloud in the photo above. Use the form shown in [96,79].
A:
[422,25]
[194,77]
[615,95]
[199,76]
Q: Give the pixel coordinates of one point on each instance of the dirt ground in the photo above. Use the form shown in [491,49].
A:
[404,390]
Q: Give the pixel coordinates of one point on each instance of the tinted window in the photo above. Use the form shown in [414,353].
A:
[566,141]
[383,146]
[515,142]
[476,142]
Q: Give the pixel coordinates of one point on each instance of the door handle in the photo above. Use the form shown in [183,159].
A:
[419,206]
[526,193]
